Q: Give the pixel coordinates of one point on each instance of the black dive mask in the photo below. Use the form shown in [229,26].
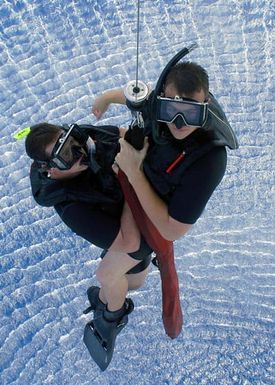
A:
[69,148]
[155,103]
[181,112]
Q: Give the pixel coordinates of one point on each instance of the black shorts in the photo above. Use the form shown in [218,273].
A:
[100,228]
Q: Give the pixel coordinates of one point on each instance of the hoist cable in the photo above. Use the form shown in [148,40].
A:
[137,55]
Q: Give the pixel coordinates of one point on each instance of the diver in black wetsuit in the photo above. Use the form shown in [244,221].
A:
[72,171]
[184,160]
[174,175]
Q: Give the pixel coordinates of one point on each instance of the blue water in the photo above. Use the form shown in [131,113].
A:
[55,57]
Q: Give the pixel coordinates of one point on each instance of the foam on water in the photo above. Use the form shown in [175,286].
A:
[54,59]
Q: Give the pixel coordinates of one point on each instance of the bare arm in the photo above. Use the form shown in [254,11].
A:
[102,102]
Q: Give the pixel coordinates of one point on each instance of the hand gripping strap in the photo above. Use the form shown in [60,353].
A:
[171,308]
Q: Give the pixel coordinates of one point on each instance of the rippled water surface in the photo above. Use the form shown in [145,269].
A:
[55,57]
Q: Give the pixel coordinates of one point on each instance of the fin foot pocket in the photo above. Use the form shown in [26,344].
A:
[100,335]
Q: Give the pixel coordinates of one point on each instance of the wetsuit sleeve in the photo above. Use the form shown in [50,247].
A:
[197,185]
[46,192]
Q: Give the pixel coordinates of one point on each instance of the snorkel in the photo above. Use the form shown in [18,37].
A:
[136,94]
[159,88]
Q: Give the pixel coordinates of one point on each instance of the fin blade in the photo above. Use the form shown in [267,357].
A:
[100,353]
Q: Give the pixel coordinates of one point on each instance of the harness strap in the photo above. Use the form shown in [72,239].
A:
[171,308]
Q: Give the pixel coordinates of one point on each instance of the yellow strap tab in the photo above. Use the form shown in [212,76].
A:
[22,133]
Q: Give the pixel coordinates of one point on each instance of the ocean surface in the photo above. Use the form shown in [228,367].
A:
[55,58]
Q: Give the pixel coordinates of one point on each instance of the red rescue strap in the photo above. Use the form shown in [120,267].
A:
[171,308]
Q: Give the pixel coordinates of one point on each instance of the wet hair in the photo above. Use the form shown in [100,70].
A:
[39,138]
[188,77]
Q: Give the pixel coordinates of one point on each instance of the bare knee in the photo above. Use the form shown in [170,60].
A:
[112,268]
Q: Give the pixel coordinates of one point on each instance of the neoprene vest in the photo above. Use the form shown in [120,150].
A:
[166,163]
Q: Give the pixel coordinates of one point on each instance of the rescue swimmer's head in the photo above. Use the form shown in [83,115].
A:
[57,147]
[183,104]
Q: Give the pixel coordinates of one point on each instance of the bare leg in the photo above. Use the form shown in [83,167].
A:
[135,281]
[112,270]
[111,274]
[128,238]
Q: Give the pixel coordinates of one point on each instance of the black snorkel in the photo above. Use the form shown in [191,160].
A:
[159,88]
[136,94]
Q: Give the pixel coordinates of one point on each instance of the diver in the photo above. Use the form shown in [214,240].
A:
[182,162]
[72,171]
[184,155]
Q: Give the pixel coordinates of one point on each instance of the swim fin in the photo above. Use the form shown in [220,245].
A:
[100,335]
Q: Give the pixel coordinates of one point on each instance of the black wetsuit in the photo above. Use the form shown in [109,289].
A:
[98,223]
[94,212]
[190,182]
[197,185]
[90,204]
[184,173]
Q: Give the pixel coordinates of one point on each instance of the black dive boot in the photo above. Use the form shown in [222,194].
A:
[100,334]
[98,305]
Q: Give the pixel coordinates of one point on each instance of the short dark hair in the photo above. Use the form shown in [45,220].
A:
[188,77]
[39,138]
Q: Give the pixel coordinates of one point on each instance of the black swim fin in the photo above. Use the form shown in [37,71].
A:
[100,335]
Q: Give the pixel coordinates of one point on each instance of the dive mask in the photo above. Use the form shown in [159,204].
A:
[181,112]
[67,150]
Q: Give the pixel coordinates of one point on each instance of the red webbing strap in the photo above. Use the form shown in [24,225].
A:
[171,308]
